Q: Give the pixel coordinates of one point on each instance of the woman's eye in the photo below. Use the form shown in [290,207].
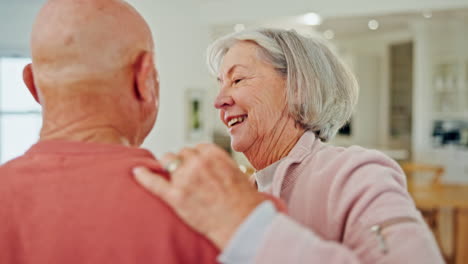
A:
[236,81]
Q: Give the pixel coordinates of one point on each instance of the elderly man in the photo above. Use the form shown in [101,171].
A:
[71,197]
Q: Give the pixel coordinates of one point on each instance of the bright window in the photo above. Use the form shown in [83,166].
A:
[20,115]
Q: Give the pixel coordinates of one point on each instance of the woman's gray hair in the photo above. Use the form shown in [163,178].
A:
[321,90]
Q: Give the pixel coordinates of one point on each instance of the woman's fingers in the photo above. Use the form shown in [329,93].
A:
[206,189]
[153,182]
[210,150]
[167,158]
[219,162]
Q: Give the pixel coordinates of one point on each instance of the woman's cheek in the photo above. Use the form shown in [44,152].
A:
[221,115]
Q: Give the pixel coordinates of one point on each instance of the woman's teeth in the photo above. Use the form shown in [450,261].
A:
[236,120]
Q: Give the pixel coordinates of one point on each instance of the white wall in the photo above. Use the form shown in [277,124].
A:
[16,21]
[368,56]
[181,40]
[366,119]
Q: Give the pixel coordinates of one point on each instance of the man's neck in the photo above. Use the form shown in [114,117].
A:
[97,134]
[88,118]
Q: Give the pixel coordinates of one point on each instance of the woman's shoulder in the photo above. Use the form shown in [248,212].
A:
[347,174]
[332,165]
[350,157]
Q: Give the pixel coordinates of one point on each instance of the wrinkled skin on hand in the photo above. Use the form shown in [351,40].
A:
[207,190]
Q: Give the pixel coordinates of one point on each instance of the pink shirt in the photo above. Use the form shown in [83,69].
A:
[336,198]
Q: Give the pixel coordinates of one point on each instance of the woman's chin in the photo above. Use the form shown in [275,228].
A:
[238,145]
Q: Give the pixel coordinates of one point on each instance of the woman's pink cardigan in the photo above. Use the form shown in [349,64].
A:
[337,200]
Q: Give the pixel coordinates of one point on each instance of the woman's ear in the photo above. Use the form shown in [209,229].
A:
[28,78]
[147,83]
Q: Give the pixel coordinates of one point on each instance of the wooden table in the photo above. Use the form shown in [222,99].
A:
[449,196]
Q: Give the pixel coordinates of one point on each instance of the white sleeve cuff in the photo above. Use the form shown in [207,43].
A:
[243,246]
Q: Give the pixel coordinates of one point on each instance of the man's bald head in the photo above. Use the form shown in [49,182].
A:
[93,66]
[80,40]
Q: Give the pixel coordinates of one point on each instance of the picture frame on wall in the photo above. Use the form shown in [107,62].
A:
[195,115]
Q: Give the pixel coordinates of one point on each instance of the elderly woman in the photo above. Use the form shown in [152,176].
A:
[282,96]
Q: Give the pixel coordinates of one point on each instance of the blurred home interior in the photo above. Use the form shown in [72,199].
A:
[410,58]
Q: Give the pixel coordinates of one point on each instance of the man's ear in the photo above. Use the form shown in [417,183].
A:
[28,78]
[147,83]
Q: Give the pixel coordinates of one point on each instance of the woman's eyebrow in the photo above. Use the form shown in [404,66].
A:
[229,72]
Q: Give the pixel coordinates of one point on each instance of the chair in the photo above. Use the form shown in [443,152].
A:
[413,170]
[425,176]
[433,175]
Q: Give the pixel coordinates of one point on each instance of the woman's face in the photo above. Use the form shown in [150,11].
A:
[252,97]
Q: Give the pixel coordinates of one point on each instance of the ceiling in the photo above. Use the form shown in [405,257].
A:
[247,11]
[344,17]
[357,25]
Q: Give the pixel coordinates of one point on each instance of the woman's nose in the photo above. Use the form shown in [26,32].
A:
[223,100]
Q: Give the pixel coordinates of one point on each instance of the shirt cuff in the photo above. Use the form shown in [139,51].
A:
[243,246]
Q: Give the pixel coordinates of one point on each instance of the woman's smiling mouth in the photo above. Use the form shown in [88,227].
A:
[236,120]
